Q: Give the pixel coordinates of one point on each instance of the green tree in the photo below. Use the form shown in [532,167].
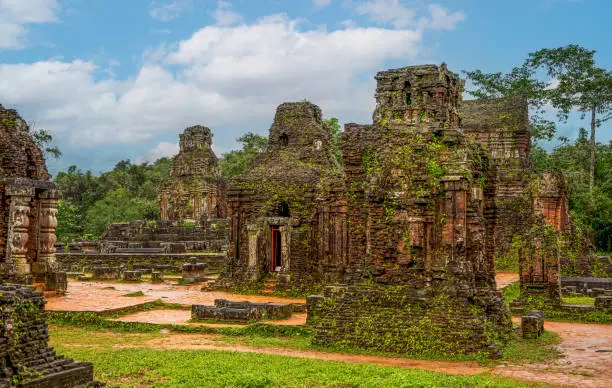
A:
[44,140]
[118,206]
[336,131]
[237,162]
[520,80]
[69,222]
[578,85]
[570,158]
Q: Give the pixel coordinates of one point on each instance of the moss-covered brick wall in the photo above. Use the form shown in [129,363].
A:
[194,188]
[291,188]
[397,319]
[78,262]
[25,357]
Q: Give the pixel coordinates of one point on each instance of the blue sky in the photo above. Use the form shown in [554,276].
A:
[118,79]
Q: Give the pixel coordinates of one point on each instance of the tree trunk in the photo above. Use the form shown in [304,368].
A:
[593,147]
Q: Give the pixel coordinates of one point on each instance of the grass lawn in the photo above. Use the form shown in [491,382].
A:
[583,300]
[128,359]
[142,366]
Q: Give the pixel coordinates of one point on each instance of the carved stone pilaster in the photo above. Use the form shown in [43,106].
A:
[46,233]
[19,222]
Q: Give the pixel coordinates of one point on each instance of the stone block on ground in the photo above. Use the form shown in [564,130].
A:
[532,324]
[110,273]
[132,276]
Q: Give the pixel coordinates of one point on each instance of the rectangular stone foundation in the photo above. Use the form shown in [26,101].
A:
[396,319]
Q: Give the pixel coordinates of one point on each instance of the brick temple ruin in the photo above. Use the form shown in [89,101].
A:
[430,194]
[27,234]
[192,206]
[28,208]
[280,208]
[194,189]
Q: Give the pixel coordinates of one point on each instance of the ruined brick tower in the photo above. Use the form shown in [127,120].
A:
[27,234]
[28,213]
[417,253]
[278,208]
[194,189]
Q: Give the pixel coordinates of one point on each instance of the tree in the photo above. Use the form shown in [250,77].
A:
[520,80]
[238,162]
[44,140]
[336,131]
[580,85]
[118,206]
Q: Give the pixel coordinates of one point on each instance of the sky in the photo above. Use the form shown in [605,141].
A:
[120,79]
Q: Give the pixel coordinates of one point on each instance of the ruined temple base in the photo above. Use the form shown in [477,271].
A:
[402,320]
[27,360]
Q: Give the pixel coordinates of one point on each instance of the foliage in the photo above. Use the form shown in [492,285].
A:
[44,140]
[88,201]
[118,206]
[336,130]
[580,84]
[580,300]
[520,80]
[238,162]
[570,158]
[512,292]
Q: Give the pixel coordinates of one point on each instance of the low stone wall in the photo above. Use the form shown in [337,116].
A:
[586,286]
[24,351]
[395,319]
[241,311]
[84,262]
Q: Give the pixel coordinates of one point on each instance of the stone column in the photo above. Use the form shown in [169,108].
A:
[46,232]
[19,222]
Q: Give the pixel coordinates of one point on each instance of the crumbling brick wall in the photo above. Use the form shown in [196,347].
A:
[194,188]
[28,201]
[415,193]
[281,211]
[25,357]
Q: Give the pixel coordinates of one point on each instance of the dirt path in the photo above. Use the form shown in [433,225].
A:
[204,342]
[182,317]
[103,296]
[587,358]
[587,363]
[504,279]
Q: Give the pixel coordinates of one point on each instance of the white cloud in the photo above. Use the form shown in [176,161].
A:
[220,76]
[321,3]
[16,15]
[224,16]
[442,20]
[387,12]
[163,149]
[170,10]
[394,13]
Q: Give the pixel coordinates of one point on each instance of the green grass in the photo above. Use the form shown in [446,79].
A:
[140,366]
[512,292]
[262,335]
[134,294]
[533,350]
[583,300]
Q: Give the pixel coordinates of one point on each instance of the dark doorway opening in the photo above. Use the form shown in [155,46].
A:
[276,249]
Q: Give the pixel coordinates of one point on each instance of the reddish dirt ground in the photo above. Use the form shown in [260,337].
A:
[181,317]
[97,296]
[207,342]
[504,279]
[587,348]
[587,360]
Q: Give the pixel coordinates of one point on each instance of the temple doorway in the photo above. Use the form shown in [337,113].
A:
[276,249]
